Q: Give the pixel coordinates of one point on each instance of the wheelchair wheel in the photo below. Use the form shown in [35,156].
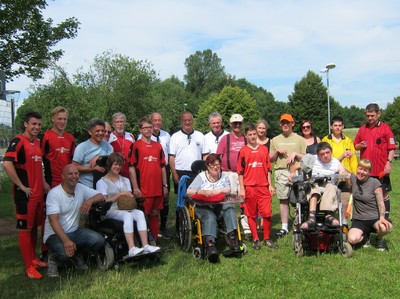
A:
[196,253]
[184,228]
[105,257]
[244,248]
[297,247]
[347,250]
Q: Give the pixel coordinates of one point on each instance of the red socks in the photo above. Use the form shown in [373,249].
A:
[154,225]
[25,245]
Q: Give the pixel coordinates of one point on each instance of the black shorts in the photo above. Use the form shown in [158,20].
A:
[367,226]
[385,182]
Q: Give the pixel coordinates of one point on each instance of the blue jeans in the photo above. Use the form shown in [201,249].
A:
[209,214]
[84,238]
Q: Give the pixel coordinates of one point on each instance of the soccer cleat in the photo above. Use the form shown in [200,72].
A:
[381,245]
[38,263]
[269,243]
[32,273]
[366,242]
[164,234]
[256,245]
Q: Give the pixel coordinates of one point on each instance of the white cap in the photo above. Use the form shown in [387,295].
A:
[236,118]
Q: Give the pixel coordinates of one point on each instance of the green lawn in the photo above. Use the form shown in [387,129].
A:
[259,274]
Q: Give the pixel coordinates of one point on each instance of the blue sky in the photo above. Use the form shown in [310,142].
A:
[270,43]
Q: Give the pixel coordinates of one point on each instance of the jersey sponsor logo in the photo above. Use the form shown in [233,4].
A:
[255,164]
[63,150]
[37,158]
[151,159]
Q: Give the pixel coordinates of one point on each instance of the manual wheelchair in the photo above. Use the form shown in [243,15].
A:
[323,238]
[116,249]
[189,228]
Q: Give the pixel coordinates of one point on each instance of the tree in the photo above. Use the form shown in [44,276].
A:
[27,40]
[391,115]
[309,101]
[204,74]
[229,101]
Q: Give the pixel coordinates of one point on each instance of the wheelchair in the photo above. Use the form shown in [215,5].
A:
[188,226]
[324,238]
[116,249]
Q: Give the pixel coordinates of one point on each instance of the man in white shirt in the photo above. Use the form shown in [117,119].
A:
[212,138]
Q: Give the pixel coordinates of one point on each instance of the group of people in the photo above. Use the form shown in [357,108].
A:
[112,163]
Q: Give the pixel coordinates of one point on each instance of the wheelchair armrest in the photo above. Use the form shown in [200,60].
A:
[101,208]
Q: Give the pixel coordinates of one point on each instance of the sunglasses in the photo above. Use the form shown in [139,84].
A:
[306,127]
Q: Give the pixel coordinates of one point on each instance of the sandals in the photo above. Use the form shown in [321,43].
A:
[310,223]
[330,221]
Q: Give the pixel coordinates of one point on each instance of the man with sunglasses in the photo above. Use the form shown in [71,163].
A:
[213,138]
[120,140]
[286,149]
[186,146]
[375,141]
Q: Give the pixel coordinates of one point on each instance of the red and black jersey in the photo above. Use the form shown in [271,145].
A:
[123,144]
[148,159]
[58,151]
[254,165]
[27,159]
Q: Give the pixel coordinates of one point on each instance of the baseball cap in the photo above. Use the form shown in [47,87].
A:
[236,118]
[287,117]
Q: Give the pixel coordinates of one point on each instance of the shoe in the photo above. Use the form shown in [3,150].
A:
[52,270]
[381,245]
[282,233]
[44,256]
[269,243]
[256,244]
[212,253]
[135,251]
[164,234]
[233,241]
[32,273]
[150,249]
[78,262]
[367,242]
[38,263]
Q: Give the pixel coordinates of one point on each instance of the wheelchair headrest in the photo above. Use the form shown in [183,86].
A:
[198,166]
[307,163]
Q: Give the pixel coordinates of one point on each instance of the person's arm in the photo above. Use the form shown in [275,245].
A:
[388,165]
[270,186]
[134,181]
[85,207]
[12,174]
[69,246]
[88,168]
[175,175]
[102,188]
[164,180]
[382,210]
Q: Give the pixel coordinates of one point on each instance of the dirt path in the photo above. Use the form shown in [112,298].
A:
[7,226]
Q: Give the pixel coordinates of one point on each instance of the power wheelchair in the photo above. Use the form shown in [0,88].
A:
[324,238]
[188,225]
[116,249]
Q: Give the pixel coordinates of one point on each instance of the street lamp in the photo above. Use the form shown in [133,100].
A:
[12,96]
[184,107]
[326,70]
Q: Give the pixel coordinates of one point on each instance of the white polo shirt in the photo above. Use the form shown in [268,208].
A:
[187,148]
[211,141]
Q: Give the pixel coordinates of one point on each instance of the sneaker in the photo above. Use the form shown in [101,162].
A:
[282,233]
[269,243]
[150,249]
[38,263]
[367,242]
[381,245]
[233,241]
[256,244]
[212,253]
[78,262]
[52,270]
[32,273]
[135,251]
[164,234]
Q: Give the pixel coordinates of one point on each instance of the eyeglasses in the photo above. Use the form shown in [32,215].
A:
[147,128]
[306,127]
[214,165]
[107,132]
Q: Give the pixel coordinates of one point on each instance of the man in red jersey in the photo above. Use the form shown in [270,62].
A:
[23,164]
[375,141]
[148,175]
[120,140]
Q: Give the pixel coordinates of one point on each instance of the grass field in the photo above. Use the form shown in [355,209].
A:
[259,274]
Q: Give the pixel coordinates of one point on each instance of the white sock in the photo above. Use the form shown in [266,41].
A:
[285,226]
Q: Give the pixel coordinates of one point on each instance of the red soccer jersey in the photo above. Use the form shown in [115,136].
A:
[58,151]
[122,144]
[27,159]
[254,165]
[148,159]
[379,139]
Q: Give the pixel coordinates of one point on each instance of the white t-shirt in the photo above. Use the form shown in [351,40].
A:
[202,183]
[187,148]
[211,141]
[326,169]
[67,206]
[109,188]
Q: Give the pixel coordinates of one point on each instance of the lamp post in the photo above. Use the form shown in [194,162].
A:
[326,70]
[184,107]
[12,95]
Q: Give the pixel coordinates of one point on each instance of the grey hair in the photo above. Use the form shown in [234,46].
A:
[118,114]
[214,115]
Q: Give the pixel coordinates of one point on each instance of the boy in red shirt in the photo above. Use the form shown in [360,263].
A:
[148,175]
[254,170]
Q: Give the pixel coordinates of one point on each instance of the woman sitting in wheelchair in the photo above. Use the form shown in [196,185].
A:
[112,186]
[322,165]
[210,187]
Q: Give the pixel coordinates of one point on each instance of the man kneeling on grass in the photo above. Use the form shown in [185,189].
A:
[62,233]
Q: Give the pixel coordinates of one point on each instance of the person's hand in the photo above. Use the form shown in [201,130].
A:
[92,163]
[363,144]
[241,194]
[26,190]
[46,187]
[291,158]
[388,168]
[85,207]
[126,193]
[282,152]
[384,225]
[69,248]
[99,168]
[271,190]
[137,192]
[176,178]
[347,154]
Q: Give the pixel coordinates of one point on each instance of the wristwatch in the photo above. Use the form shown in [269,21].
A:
[165,185]
[390,161]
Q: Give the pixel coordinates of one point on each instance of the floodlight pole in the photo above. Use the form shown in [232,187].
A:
[326,70]
[10,94]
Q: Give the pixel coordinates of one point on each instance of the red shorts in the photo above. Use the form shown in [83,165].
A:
[258,202]
[30,213]
[153,203]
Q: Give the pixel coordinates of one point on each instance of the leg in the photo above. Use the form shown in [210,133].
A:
[282,191]
[209,229]
[355,236]
[310,223]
